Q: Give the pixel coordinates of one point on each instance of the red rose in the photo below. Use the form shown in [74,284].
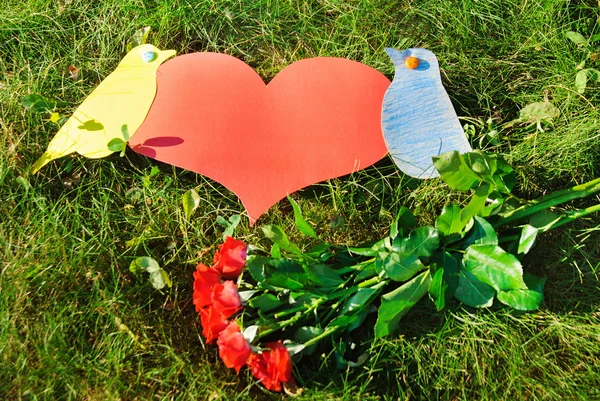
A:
[272,367]
[225,299]
[234,350]
[212,323]
[230,258]
[204,280]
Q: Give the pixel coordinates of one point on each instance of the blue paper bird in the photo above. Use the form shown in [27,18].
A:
[418,119]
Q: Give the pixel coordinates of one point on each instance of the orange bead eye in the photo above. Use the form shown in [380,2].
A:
[411,62]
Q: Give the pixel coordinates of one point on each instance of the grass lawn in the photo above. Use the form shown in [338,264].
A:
[76,324]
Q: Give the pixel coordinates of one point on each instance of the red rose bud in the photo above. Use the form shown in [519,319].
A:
[225,299]
[212,323]
[234,350]
[272,367]
[230,258]
[204,280]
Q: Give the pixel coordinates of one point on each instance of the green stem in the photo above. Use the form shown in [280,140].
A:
[573,216]
[576,192]
[354,268]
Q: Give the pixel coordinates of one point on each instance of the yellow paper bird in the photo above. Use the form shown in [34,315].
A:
[120,102]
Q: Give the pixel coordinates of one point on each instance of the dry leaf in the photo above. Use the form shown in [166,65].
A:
[73,72]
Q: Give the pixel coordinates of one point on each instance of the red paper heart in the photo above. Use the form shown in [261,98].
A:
[318,119]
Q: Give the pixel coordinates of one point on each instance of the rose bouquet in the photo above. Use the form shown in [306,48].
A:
[265,307]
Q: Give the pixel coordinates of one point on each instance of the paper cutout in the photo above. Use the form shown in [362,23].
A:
[122,99]
[418,119]
[318,119]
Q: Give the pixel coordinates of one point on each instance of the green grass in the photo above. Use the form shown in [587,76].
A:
[76,324]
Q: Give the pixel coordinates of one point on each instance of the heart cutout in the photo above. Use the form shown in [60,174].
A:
[318,119]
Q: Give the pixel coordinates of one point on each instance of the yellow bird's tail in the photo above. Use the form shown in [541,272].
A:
[41,162]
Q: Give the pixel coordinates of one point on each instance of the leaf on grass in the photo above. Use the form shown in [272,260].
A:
[444,273]
[278,236]
[494,266]
[401,267]
[190,201]
[581,81]
[525,300]
[576,38]
[405,220]
[138,38]
[437,289]
[422,241]
[535,113]
[482,233]
[454,171]
[449,221]
[160,279]
[358,301]
[39,104]
[143,264]
[473,292]
[396,304]
[323,275]
[476,205]
[304,227]
[527,238]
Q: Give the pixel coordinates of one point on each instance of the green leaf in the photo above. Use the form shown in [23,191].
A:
[449,264]
[323,275]
[437,289]
[278,236]
[527,238]
[405,220]
[371,251]
[142,264]
[305,334]
[116,145]
[234,221]
[396,304]
[593,73]
[476,205]
[449,221]
[221,220]
[581,81]
[139,38]
[304,227]
[275,251]
[358,301]
[535,113]
[525,300]
[190,201]
[160,279]
[285,281]
[473,292]
[482,233]
[534,282]
[125,132]
[422,241]
[285,273]
[401,267]
[40,104]
[494,266]
[444,278]
[577,38]
[265,302]
[454,171]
